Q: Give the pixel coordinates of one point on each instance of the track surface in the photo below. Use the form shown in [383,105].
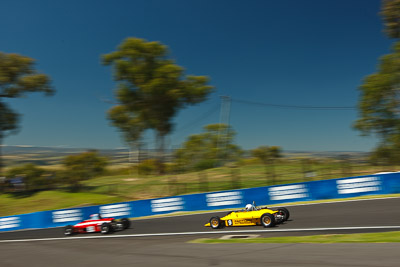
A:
[174,251]
[366,213]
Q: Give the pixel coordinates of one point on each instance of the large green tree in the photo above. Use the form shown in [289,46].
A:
[151,89]
[18,77]
[379,105]
[208,149]
[391,16]
[379,102]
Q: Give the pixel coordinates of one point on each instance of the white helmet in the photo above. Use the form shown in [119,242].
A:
[249,207]
[95,216]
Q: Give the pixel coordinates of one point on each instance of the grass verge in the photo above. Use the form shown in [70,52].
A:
[386,237]
[51,200]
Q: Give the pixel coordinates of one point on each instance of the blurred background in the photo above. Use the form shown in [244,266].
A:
[103,102]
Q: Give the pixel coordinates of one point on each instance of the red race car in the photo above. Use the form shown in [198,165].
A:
[96,224]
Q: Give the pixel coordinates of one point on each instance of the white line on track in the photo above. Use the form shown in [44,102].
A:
[205,233]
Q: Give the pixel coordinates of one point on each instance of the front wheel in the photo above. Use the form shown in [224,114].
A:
[268,220]
[69,230]
[215,222]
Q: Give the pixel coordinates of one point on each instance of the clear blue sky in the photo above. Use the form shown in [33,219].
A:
[289,52]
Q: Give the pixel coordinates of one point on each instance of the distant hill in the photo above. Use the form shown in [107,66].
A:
[50,156]
[46,156]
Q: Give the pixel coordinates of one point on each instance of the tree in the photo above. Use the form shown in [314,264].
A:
[391,16]
[83,166]
[151,89]
[379,102]
[33,176]
[202,151]
[130,126]
[267,155]
[17,78]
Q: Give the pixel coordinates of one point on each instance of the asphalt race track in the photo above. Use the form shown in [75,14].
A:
[163,241]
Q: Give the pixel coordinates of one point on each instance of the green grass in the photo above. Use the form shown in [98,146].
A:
[50,200]
[151,186]
[387,237]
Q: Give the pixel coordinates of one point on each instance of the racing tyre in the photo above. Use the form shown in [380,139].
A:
[215,222]
[125,223]
[69,230]
[284,212]
[105,228]
[268,220]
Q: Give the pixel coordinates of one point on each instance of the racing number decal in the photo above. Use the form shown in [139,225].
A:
[90,229]
[243,221]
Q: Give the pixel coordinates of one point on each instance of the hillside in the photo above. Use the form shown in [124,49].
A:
[52,156]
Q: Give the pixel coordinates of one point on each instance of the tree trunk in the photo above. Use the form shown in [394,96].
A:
[160,143]
[272,166]
[1,156]
[267,173]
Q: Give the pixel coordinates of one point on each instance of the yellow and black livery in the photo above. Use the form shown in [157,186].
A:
[255,216]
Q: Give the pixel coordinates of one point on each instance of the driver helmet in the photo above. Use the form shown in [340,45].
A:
[249,207]
[95,216]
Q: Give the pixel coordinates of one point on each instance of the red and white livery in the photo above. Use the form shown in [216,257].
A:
[96,224]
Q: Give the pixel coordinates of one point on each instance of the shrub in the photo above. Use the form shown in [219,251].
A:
[148,166]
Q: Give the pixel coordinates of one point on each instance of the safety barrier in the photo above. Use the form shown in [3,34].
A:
[388,183]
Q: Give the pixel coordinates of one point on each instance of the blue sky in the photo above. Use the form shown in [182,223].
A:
[289,52]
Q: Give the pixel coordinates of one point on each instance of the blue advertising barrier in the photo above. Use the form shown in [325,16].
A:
[375,184]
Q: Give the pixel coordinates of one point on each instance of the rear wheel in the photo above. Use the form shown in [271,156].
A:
[69,230]
[215,222]
[106,228]
[125,223]
[268,220]
[284,212]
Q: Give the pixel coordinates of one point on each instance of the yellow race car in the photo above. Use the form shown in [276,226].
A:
[251,215]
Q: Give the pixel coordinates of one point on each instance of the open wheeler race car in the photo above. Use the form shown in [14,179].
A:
[96,224]
[251,215]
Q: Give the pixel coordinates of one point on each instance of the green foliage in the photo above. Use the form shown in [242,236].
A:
[151,89]
[385,155]
[8,120]
[17,78]
[51,200]
[379,102]
[33,176]
[82,167]
[213,146]
[148,166]
[391,16]
[266,154]
[205,164]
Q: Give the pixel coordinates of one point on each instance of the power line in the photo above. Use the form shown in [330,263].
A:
[293,106]
[199,119]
